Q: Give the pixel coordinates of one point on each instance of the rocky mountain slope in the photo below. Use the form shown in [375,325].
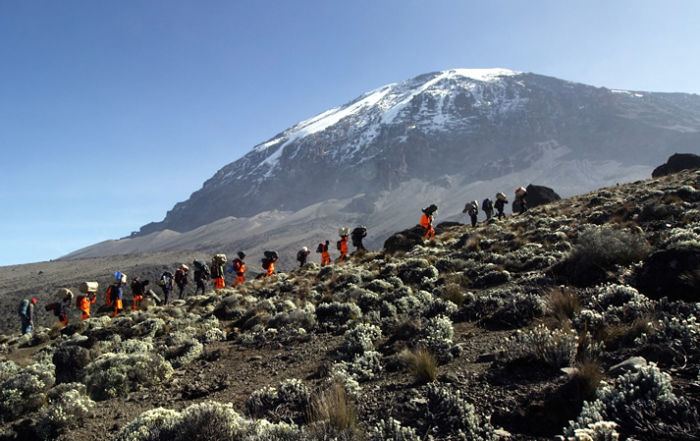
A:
[550,323]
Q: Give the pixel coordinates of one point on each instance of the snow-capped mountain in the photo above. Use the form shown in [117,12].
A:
[445,137]
[476,123]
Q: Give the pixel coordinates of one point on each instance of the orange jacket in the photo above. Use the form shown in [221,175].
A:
[83,303]
[325,258]
[239,266]
[271,269]
[344,245]
[426,221]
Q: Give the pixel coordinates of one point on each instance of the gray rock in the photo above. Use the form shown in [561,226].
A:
[631,364]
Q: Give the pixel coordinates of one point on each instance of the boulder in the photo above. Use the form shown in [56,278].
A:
[673,273]
[444,226]
[676,163]
[404,240]
[539,195]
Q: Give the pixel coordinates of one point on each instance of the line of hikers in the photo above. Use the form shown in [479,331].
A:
[114,295]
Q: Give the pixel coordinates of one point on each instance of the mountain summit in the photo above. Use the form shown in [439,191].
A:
[478,124]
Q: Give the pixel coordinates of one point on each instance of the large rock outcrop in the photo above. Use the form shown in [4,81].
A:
[676,163]
[673,273]
[539,195]
[404,240]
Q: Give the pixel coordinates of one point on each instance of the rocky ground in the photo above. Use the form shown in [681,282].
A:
[578,319]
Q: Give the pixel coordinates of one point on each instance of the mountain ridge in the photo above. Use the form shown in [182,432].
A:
[444,122]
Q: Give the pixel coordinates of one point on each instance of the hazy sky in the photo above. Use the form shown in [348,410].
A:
[112,111]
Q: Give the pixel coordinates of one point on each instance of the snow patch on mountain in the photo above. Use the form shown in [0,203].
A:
[388,105]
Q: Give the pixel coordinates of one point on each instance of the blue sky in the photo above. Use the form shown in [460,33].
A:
[112,111]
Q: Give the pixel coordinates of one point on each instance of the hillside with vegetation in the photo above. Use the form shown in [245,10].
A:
[576,319]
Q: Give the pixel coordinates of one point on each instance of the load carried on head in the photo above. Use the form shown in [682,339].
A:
[87,297]
[120,277]
[89,287]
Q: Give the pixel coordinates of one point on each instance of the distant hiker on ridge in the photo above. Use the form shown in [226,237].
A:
[323,250]
[487,207]
[268,263]
[500,204]
[201,275]
[87,297]
[520,202]
[302,256]
[342,245]
[26,315]
[115,293]
[218,267]
[61,308]
[357,235]
[239,268]
[426,221]
[166,284]
[138,289]
[472,209]
[182,279]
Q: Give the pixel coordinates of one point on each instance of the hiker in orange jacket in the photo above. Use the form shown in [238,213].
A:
[239,268]
[138,289]
[343,245]
[83,303]
[426,221]
[268,262]
[115,293]
[325,254]
[64,308]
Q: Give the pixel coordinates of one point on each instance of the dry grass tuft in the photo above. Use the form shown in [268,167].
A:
[473,243]
[562,306]
[624,334]
[454,293]
[587,378]
[333,411]
[422,364]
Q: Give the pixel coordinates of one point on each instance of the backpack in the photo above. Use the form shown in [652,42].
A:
[166,279]
[24,308]
[198,264]
[266,263]
[271,255]
[359,232]
[319,248]
[179,276]
[338,244]
[487,205]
